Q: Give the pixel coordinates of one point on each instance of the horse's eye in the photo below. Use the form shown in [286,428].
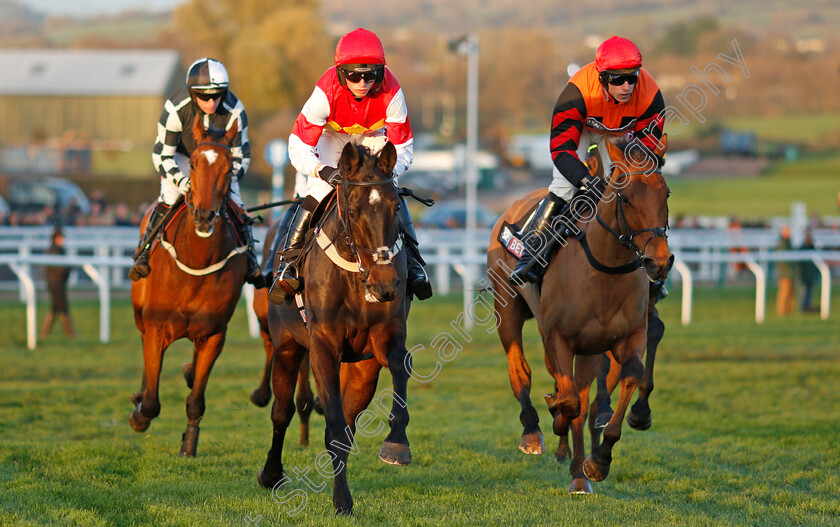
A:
[625,200]
[397,207]
[352,214]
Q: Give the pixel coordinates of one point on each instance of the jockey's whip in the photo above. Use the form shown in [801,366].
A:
[274,204]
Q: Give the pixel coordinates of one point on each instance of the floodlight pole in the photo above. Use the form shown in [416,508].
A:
[468,45]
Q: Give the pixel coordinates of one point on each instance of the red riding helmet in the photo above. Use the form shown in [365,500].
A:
[617,53]
[359,51]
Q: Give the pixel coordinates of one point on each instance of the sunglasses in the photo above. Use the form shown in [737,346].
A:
[207,96]
[618,79]
[356,76]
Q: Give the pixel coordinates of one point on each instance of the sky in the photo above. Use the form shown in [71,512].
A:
[88,8]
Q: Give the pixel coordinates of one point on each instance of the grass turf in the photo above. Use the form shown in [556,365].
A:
[745,432]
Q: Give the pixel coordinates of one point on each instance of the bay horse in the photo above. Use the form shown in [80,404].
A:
[356,306]
[261,396]
[194,284]
[593,298]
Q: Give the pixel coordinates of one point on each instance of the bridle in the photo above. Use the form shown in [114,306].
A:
[217,213]
[380,256]
[626,237]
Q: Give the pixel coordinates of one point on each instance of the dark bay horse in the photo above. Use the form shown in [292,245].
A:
[196,278]
[356,306]
[261,396]
[582,311]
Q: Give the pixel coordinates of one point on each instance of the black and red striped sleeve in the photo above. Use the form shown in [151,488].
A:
[566,128]
[650,125]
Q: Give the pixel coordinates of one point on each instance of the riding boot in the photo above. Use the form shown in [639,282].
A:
[286,277]
[538,226]
[418,280]
[141,267]
[254,274]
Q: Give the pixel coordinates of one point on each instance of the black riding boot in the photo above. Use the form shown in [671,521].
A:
[254,274]
[141,267]
[286,278]
[538,226]
[418,280]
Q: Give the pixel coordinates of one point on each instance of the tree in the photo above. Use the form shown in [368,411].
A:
[274,50]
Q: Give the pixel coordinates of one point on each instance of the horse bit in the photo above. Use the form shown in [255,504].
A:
[217,212]
[627,239]
[382,255]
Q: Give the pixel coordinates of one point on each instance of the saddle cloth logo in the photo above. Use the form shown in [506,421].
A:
[509,240]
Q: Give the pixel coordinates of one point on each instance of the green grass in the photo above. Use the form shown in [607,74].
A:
[811,180]
[745,432]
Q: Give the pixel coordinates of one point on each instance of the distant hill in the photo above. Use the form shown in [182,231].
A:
[575,20]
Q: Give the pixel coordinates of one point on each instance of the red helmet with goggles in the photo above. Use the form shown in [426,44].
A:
[359,53]
[617,53]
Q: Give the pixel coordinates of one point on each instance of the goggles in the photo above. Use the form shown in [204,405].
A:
[618,79]
[356,76]
[203,96]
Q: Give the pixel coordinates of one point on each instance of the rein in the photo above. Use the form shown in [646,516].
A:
[626,238]
[380,256]
[170,248]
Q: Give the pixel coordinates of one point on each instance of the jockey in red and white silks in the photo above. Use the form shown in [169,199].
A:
[333,116]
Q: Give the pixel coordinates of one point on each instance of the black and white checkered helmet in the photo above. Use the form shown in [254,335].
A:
[207,76]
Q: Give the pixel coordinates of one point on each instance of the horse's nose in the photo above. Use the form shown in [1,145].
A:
[655,270]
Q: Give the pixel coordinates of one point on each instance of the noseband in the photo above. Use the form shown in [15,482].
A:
[381,255]
[189,203]
[626,237]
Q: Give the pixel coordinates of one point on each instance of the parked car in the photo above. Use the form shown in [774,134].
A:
[33,194]
[453,215]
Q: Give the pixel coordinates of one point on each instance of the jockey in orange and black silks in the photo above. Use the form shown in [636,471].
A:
[613,95]
[358,101]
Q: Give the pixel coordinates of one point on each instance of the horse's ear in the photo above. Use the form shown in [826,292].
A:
[387,158]
[198,129]
[228,139]
[349,159]
[593,163]
[615,151]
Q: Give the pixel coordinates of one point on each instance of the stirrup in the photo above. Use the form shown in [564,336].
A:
[141,268]
[285,284]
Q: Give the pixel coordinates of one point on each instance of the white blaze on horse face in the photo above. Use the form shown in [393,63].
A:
[374,197]
[211,156]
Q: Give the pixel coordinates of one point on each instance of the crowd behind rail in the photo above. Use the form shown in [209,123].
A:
[102,213]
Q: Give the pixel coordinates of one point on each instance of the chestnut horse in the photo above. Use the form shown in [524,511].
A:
[194,284]
[593,298]
[356,306]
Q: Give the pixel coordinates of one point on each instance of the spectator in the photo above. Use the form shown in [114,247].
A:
[784,276]
[809,275]
[57,287]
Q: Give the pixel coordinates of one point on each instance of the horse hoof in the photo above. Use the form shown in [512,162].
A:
[603,419]
[260,399]
[189,374]
[594,471]
[139,422]
[395,453]
[344,511]
[268,482]
[639,421]
[580,486]
[532,443]
[189,441]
